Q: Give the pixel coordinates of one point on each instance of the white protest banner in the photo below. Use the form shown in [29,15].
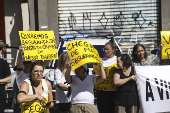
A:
[154,88]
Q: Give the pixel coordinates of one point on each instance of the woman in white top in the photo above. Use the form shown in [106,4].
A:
[82,97]
[63,89]
[35,92]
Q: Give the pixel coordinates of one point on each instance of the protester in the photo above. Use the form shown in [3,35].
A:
[82,84]
[36,88]
[63,89]
[5,76]
[140,56]
[124,78]
[105,99]
[22,70]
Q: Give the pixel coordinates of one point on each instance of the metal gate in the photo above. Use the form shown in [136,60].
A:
[128,21]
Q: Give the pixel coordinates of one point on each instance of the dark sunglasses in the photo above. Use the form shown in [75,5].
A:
[27,62]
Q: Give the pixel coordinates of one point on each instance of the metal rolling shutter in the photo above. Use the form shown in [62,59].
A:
[128,21]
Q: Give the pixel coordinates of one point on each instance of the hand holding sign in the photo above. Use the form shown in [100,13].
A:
[133,77]
[41,98]
[82,52]
[107,84]
[36,106]
[166,44]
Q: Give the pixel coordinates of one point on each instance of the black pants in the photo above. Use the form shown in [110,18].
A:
[2,105]
[17,107]
[105,101]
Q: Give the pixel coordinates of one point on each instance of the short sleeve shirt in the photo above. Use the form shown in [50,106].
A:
[147,62]
[82,91]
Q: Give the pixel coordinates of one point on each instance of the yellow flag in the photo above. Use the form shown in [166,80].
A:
[165,39]
[39,45]
[82,52]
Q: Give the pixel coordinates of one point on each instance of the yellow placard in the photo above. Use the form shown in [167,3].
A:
[96,69]
[33,107]
[165,39]
[107,84]
[39,45]
[81,52]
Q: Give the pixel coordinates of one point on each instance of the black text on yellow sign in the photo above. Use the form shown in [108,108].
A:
[81,52]
[39,45]
[165,39]
[33,107]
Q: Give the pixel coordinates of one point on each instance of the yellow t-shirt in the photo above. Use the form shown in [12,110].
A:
[107,84]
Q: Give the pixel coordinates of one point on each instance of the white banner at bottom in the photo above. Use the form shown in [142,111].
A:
[154,88]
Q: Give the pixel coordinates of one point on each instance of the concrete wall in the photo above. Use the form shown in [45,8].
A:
[165,15]
[13,24]
[52,9]
[46,16]
[43,16]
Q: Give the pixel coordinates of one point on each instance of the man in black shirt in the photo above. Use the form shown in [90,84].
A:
[5,76]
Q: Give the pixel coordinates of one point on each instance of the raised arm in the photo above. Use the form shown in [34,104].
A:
[118,82]
[19,59]
[102,75]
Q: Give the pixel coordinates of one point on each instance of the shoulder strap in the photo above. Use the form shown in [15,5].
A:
[132,70]
[32,87]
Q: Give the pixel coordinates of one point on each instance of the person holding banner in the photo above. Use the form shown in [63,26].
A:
[140,56]
[106,91]
[63,89]
[124,78]
[35,92]
[82,84]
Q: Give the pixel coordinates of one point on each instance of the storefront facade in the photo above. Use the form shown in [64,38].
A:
[127,21]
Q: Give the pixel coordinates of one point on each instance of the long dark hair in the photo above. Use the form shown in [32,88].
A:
[134,56]
[125,58]
[62,61]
